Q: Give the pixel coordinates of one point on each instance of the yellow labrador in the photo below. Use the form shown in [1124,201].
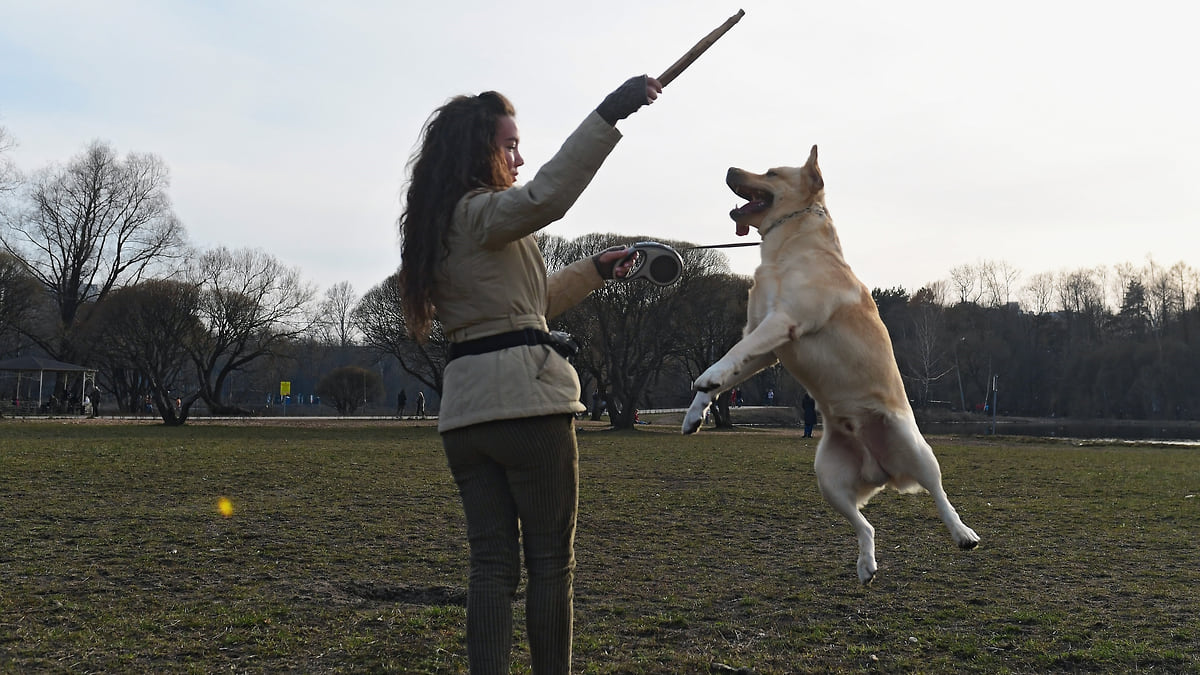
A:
[809,312]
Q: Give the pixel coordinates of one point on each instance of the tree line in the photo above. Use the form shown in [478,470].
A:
[1091,343]
[95,269]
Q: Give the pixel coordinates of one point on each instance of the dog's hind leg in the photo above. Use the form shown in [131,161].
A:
[905,454]
[704,398]
[838,467]
[929,474]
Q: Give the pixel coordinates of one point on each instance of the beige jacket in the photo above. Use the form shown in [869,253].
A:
[494,280]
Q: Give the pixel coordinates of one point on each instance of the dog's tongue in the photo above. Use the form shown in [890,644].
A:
[742,230]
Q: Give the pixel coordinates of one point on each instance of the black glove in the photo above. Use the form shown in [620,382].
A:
[606,268]
[624,101]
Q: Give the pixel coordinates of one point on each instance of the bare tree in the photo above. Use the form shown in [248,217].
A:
[84,229]
[996,280]
[1187,286]
[1170,293]
[1080,291]
[19,298]
[251,306]
[144,329]
[926,358]
[335,314]
[9,177]
[558,252]
[989,286]
[1081,296]
[1161,298]
[1038,293]
[380,319]
[965,279]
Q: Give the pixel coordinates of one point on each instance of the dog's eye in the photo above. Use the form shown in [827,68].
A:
[771,173]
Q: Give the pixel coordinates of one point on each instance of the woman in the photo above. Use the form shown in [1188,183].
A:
[509,395]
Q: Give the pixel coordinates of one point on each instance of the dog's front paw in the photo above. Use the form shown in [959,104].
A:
[966,538]
[695,414]
[867,569]
[704,386]
[710,380]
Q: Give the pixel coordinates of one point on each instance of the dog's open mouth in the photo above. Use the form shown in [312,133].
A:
[759,201]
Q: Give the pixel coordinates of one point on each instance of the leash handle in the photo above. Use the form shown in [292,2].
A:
[702,46]
[654,262]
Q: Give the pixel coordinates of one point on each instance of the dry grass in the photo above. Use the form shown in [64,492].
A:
[346,553]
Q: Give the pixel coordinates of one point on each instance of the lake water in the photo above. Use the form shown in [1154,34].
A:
[1085,429]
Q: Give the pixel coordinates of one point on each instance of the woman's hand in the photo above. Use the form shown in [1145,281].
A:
[653,89]
[626,99]
[611,263]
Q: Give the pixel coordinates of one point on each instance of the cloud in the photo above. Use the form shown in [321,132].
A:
[1048,136]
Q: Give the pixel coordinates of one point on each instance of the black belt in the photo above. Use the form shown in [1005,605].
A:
[561,342]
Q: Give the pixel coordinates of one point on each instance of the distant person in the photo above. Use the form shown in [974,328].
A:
[401,403]
[770,397]
[420,404]
[810,414]
[506,413]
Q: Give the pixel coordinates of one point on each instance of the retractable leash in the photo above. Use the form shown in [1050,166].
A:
[661,264]
[654,262]
[739,245]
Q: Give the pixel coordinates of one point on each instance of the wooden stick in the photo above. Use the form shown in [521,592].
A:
[694,53]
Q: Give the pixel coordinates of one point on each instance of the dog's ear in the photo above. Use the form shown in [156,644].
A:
[813,171]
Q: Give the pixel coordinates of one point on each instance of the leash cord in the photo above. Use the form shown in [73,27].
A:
[739,245]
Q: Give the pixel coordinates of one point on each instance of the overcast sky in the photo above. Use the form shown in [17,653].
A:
[1048,135]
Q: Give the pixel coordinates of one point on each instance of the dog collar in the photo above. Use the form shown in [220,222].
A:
[812,208]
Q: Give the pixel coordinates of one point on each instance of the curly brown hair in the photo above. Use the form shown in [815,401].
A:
[457,154]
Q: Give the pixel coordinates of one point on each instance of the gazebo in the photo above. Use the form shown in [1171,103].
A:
[26,366]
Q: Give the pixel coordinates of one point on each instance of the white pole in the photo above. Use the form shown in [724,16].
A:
[995,384]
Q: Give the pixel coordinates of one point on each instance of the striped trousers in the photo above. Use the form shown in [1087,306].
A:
[519,483]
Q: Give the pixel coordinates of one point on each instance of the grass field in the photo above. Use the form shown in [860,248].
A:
[345,552]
